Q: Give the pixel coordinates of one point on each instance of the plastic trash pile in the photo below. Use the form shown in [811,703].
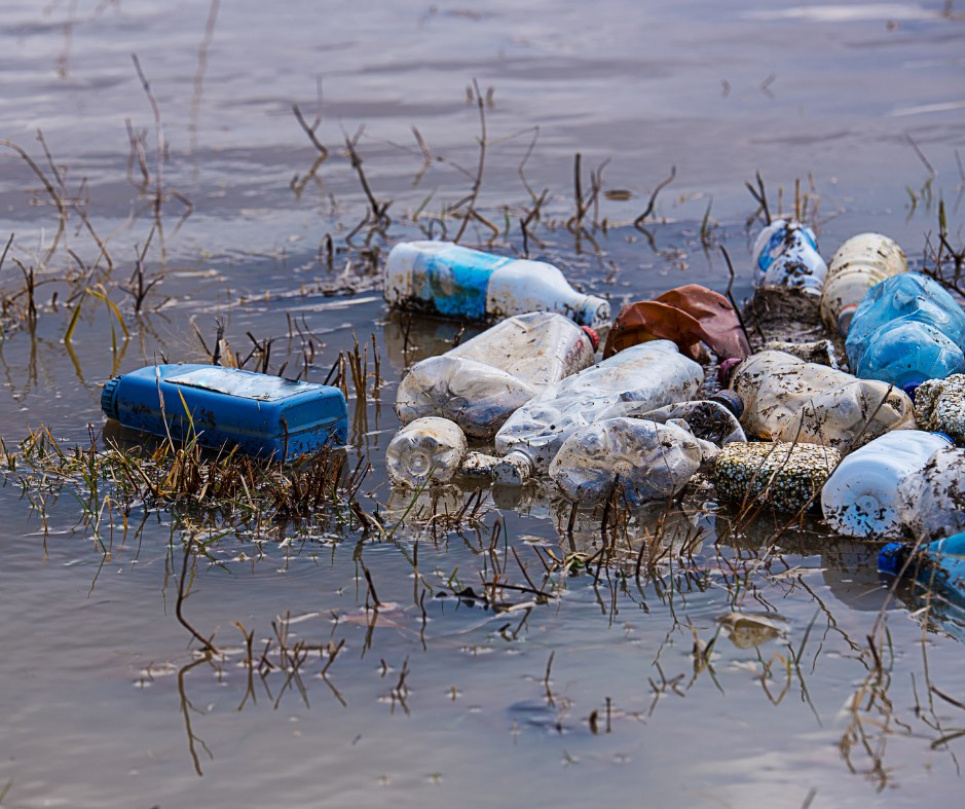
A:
[869,437]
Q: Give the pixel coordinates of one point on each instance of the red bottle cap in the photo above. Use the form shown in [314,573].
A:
[594,337]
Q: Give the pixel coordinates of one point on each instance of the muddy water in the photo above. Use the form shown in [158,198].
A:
[443,699]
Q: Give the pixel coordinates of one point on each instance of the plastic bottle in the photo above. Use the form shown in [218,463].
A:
[861,498]
[938,566]
[907,330]
[642,459]
[860,263]
[788,399]
[638,379]
[446,279]
[786,476]
[940,406]
[689,316]
[429,450]
[786,255]
[931,500]
[263,415]
[482,381]
[716,419]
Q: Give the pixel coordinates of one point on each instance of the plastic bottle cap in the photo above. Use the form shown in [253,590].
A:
[910,390]
[891,558]
[726,367]
[108,405]
[592,335]
[946,436]
[731,400]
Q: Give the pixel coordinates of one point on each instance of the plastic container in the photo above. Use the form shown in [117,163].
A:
[938,566]
[788,399]
[931,500]
[263,415]
[907,330]
[860,263]
[429,450]
[482,381]
[690,316]
[786,476]
[786,255]
[940,406]
[861,498]
[637,459]
[638,379]
[445,279]
[716,419]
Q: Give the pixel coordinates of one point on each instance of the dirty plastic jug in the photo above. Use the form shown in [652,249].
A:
[907,330]
[784,475]
[786,255]
[261,414]
[938,566]
[931,500]
[482,381]
[788,399]
[860,263]
[690,315]
[635,458]
[940,406]
[640,378]
[428,450]
[446,279]
[861,498]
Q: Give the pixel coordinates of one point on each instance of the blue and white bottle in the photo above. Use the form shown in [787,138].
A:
[442,278]
[786,254]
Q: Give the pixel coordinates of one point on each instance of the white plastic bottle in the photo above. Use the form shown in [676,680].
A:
[482,381]
[635,380]
[860,498]
[429,450]
[786,255]
[940,405]
[931,500]
[446,279]
[860,263]
[788,399]
[641,459]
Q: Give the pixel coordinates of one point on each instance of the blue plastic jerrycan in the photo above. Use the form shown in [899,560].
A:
[261,414]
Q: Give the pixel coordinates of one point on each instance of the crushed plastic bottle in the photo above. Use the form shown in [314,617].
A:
[940,406]
[716,419]
[428,450]
[446,279]
[907,330]
[687,315]
[931,500]
[786,255]
[937,566]
[861,498]
[638,379]
[786,476]
[860,263]
[788,399]
[482,381]
[640,460]
[261,414]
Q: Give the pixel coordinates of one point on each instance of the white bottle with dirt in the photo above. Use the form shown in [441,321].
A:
[860,263]
[931,500]
[860,498]
[482,381]
[635,380]
[444,278]
[788,399]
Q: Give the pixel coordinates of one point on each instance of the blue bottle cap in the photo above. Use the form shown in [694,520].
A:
[910,390]
[891,558]
[946,436]
[108,404]
[731,400]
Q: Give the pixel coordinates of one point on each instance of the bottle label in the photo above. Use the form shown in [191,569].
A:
[234,382]
[455,280]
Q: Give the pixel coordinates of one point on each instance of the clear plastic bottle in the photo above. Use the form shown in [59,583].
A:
[446,279]
[861,498]
[716,419]
[642,459]
[931,500]
[786,255]
[482,381]
[860,263]
[788,399]
[640,378]
[907,330]
[428,450]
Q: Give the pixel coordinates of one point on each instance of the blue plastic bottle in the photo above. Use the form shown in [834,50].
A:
[938,566]
[786,254]
[907,330]
[263,415]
